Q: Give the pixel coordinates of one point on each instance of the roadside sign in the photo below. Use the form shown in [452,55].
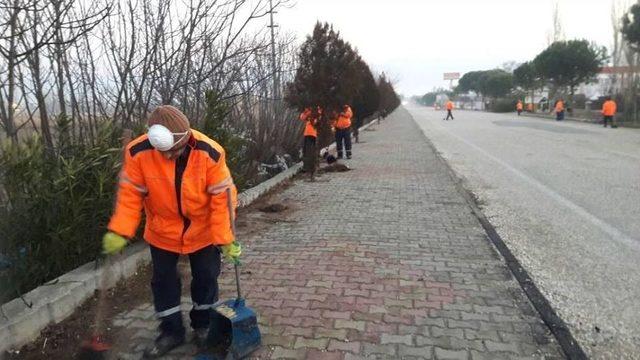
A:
[452,76]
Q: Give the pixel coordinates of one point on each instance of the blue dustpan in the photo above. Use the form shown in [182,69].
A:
[233,330]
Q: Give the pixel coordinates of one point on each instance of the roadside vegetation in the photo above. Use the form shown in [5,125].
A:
[74,78]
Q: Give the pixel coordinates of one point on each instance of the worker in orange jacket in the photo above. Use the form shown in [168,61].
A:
[309,153]
[559,109]
[343,131]
[609,109]
[180,178]
[449,107]
[519,107]
[530,107]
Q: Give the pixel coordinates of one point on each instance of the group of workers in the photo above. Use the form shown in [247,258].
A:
[609,109]
[520,107]
[340,123]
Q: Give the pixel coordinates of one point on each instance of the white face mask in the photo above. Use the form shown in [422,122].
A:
[161,138]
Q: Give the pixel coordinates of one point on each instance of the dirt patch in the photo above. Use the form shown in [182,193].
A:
[335,167]
[269,209]
[63,340]
[274,208]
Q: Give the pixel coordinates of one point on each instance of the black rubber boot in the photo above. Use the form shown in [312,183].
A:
[200,337]
[162,345]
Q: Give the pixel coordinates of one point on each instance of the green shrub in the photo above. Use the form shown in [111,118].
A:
[503,105]
[55,206]
[217,126]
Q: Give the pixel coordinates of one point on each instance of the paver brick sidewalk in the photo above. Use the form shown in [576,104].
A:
[386,261]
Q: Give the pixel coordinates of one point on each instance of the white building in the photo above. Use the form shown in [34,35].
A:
[609,81]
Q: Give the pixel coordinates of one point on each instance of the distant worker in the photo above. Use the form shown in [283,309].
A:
[309,153]
[559,109]
[449,107]
[519,107]
[343,131]
[530,107]
[609,109]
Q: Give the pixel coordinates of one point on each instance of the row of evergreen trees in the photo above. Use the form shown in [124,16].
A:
[331,74]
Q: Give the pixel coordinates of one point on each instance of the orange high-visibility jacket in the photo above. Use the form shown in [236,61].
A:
[310,127]
[609,108]
[559,106]
[344,118]
[519,105]
[449,105]
[184,200]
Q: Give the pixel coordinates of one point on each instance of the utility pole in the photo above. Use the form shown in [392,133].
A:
[276,84]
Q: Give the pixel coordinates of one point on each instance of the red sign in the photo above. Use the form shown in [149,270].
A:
[452,76]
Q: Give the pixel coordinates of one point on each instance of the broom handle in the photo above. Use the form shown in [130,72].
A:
[237,281]
[103,285]
[232,220]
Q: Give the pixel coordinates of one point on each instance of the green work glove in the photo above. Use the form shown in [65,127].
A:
[232,252]
[112,243]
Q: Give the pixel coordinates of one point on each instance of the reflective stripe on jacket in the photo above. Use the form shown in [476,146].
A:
[184,200]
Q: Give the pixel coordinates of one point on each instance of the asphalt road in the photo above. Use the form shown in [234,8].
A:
[565,197]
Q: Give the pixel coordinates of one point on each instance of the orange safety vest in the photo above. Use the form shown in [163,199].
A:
[559,106]
[609,108]
[184,200]
[310,127]
[519,106]
[449,105]
[344,119]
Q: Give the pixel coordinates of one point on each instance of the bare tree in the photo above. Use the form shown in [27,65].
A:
[556,33]
[115,59]
[624,82]
[31,26]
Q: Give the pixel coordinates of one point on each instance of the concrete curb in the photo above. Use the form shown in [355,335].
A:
[596,121]
[250,195]
[56,300]
[551,117]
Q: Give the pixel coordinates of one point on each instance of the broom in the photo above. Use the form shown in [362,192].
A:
[96,346]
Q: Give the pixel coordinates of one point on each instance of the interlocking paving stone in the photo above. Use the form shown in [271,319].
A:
[384,261]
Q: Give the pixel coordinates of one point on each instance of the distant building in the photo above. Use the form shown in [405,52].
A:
[609,81]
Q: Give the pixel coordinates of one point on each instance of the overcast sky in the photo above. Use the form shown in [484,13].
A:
[415,41]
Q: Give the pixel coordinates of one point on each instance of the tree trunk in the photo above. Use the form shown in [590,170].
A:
[9,122]
[533,99]
[40,99]
[34,64]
